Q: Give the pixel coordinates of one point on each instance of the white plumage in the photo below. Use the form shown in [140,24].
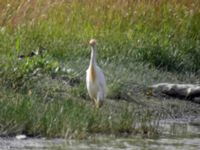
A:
[95,80]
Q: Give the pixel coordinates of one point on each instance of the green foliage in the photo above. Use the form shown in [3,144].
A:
[163,34]
[70,118]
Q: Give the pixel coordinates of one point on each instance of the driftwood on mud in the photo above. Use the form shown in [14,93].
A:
[182,91]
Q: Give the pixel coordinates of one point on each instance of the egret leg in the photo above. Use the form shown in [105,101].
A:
[99,101]
[99,104]
[95,101]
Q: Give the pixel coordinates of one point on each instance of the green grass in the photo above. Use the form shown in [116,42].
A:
[70,118]
[139,43]
[164,34]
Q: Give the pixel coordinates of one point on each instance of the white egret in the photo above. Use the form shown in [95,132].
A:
[95,80]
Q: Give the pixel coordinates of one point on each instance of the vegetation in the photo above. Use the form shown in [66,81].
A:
[139,42]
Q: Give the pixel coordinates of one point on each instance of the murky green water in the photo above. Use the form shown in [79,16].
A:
[178,135]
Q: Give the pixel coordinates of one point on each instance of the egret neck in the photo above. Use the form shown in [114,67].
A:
[93,55]
[93,62]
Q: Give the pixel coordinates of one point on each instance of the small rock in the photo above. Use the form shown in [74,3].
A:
[21,137]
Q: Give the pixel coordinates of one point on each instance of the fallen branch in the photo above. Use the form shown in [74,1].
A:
[182,91]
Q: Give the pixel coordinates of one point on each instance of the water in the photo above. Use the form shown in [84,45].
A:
[177,135]
[112,144]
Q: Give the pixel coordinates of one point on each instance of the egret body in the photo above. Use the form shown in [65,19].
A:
[95,80]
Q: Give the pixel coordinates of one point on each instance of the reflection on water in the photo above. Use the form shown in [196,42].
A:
[178,135]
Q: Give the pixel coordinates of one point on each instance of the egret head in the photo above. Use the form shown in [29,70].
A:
[92,42]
